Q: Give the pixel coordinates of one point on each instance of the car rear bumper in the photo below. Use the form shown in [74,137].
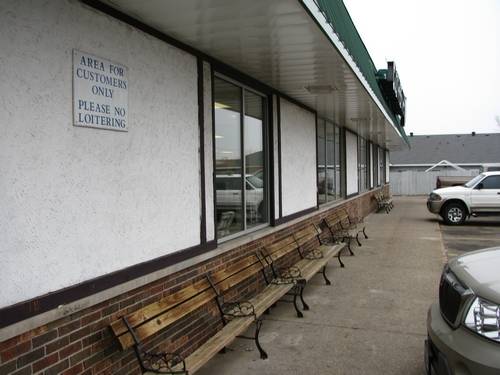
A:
[458,351]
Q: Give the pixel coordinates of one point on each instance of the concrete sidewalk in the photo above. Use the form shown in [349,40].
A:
[370,321]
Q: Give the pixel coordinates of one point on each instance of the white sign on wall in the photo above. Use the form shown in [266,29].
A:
[100,93]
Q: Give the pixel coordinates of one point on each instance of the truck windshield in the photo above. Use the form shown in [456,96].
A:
[474,181]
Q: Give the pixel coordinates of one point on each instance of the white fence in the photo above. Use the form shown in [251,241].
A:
[421,182]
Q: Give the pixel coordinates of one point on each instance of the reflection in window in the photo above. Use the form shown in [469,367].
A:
[375,165]
[256,208]
[321,162]
[381,165]
[328,143]
[228,165]
[237,135]
[363,176]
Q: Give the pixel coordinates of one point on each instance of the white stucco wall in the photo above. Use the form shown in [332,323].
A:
[77,203]
[298,158]
[209,159]
[351,144]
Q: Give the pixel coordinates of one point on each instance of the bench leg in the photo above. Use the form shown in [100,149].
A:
[297,291]
[305,306]
[327,282]
[357,240]
[258,324]
[364,232]
[340,260]
[349,246]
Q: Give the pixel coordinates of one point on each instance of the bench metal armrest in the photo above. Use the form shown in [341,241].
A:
[287,276]
[163,363]
[238,309]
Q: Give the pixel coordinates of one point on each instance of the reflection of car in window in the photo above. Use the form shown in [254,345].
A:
[228,188]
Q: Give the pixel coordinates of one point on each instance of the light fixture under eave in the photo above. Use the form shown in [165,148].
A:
[320,89]
[219,136]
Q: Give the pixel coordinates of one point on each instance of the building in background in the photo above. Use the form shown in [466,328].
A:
[414,171]
[146,143]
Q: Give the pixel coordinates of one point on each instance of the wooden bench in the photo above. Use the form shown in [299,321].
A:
[313,258]
[349,223]
[316,259]
[383,202]
[275,255]
[338,233]
[236,317]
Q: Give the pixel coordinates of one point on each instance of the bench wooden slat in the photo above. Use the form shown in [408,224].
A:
[305,235]
[332,221]
[163,320]
[239,277]
[283,251]
[152,310]
[283,243]
[217,277]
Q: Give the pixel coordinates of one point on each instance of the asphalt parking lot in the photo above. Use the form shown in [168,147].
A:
[474,234]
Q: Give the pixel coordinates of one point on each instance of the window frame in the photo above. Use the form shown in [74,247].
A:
[496,177]
[366,187]
[265,144]
[337,132]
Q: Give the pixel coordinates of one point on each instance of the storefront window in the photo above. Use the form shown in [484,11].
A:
[253,126]
[328,144]
[321,161]
[375,165]
[363,176]
[240,182]
[381,155]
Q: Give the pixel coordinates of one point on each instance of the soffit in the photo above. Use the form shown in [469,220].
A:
[278,43]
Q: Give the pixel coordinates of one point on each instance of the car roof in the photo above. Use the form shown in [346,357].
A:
[493,173]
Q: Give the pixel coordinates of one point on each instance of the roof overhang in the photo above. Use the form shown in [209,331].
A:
[285,44]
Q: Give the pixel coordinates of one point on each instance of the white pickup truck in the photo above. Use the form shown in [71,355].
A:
[478,197]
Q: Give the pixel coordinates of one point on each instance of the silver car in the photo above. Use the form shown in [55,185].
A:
[464,326]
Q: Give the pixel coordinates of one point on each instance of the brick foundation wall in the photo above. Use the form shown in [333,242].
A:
[81,343]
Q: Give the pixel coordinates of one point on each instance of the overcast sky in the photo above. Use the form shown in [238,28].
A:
[447,53]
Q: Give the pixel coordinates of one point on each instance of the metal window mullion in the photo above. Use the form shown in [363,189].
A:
[325,164]
[265,149]
[243,163]
[334,164]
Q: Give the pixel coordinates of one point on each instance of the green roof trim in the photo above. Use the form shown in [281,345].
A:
[338,17]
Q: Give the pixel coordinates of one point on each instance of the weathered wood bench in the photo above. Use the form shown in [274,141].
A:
[338,233]
[236,317]
[383,202]
[347,222]
[319,254]
[276,255]
[314,255]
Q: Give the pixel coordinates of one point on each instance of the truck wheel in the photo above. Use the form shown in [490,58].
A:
[454,213]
